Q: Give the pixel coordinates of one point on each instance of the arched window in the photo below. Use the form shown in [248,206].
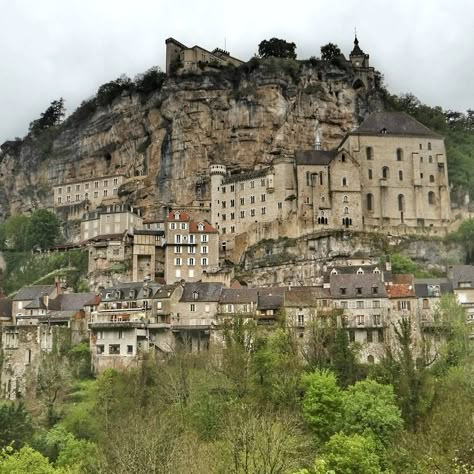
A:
[401,202]
[400,175]
[430,159]
[369,152]
[343,158]
[421,159]
[344,181]
[429,145]
[370,202]
[370,174]
[370,359]
[346,210]
[321,178]
[431,197]
[399,154]
[346,199]
[385,172]
[432,180]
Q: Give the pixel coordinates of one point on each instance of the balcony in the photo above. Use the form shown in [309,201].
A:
[383,182]
[193,323]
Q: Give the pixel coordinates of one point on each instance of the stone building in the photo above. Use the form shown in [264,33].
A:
[363,73]
[388,175]
[108,250]
[192,248]
[364,301]
[191,58]
[91,191]
[110,219]
[148,254]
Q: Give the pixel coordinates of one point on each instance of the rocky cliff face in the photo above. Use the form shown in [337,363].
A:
[165,142]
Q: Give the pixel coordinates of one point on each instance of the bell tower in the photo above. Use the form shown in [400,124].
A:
[363,73]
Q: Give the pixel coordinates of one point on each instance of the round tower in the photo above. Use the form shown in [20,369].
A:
[218,173]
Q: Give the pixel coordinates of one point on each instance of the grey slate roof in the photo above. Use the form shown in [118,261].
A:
[462,274]
[248,295]
[205,292]
[315,157]
[351,283]
[424,286]
[305,295]
[32,292]
[123,291]
[270,301]
[37,303]
[73,301]
[395,123]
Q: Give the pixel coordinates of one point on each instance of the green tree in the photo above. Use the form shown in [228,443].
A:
[150,81]
[43,229]
[108,92]
[15,233]
[402,264]
[51,117]
[347,454]
[330,51]
[322,403]
[370,409]
[15,425]
[343,359]
[27,460]
[465,235]
[277,48]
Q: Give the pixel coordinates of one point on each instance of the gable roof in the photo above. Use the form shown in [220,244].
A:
[305,296]
[248,295]
[74,301]
[206,292]
[351,283]
[394,123]
[314,157]
[33,292]
[194,227]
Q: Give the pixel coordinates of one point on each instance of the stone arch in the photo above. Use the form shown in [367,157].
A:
[385,172]
[431,198]
[401,202]
[358,84]
[370,202]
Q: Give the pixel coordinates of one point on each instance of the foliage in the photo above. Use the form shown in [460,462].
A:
[15,425]
[322,403]
[27,460]
[329,52]
[43,229]
[108,92]
[277,48]
[80,360]
[149,81]
[347,454]
[14,232]
[465,235]
[51,117]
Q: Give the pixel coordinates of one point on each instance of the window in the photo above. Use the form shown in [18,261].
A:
[343,158]
[376,304]
[401,202]
[224,230]
[429,145]
[369,336]
[262,198]
[300,319]
[377,319]
[68,198]
[60,190]
[100,349]
[369,152]
[359,304]
[360,319]
[204,249]
[232,188]
[207,308]
[399,154]
[177,239]
[106,183]
[177,261]
[252,184]
[105,192]
[252,212]
[115,181]
[120,334]
[431,198]
[421,146]
[308,178]
[426,303]
[191,238]
[359,290]
[224,217]
[232,203]
[59,200]
[114,349]
[159,305]
[262,182]
[242,214]
[385,172]
[370,174]
[86,186]
[343,290]
[129,349]
[375,290]
[184,225]
[192,307]
[242,201]
[344,181]
[344,304]
[400,175]
[115,191]
[263,211]
[204,238]
[223,189]
[280,205]
[345,199]
[178,273]
[432,178]
[191,261]
[242,186]
[370,202]
[404,305]
[252,199]
[204,262]
[430,159]
[232,216]
[68,189]
[96,194]
[178,249]
[195,295]
[172,226]
[232,229]
[346,210]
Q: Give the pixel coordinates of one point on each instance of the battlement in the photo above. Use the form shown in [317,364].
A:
[218,169]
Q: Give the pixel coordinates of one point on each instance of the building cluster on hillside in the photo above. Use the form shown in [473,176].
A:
[127,320]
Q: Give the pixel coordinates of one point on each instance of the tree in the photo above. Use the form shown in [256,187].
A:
[329,51]
[26,460]
[322,403]
[347,454]
[343,359]
[465,235]
[15,233]
[150,81]
[15,425]
[51,117]
[111,90]
[370,409]
[43,229]
[277,48]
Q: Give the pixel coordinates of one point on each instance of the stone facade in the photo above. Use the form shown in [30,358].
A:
[190,58]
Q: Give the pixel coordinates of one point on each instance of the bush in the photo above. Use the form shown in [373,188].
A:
[149,81]
[108,92]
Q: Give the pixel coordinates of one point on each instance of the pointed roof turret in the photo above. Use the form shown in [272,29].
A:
[356,51]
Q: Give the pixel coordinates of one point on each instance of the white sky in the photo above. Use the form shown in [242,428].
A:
[68,48]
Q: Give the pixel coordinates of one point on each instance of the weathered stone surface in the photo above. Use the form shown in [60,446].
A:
[234,117]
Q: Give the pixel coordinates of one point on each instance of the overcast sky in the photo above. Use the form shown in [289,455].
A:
[68,48]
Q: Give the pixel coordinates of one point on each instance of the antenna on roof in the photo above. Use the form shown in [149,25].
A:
[225,43]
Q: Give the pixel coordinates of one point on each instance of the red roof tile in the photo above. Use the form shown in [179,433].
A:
[400,290]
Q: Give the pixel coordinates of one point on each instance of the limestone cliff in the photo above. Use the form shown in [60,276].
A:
[165,141]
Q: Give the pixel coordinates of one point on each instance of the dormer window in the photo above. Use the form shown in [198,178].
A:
[334,272]
[195,295]
[343,290]
[376,271]
[132,294]
[359,290]
[108,296]
[360,271]
[375,290]
[176,216]
[200,227]
[117,294]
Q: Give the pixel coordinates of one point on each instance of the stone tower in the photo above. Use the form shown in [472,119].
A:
[363,73]
[218,173]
